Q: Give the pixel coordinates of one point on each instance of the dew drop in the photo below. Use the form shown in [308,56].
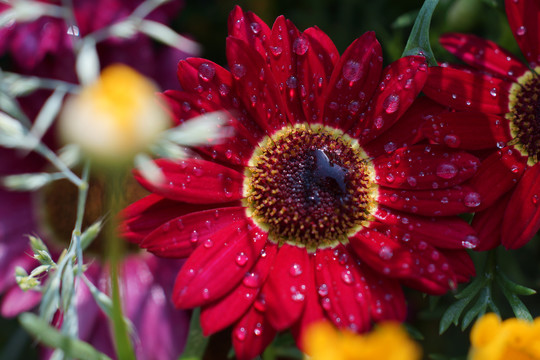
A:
[520,31]
[206,293]
[347,277]
[276,50]
[412,181]
[534,199]
[391,103]
[390,147]
[255,27]
[300,46]
[323,290]
[207,71]
[224,90]
[241,259]
[352,71]
[194,237]
[238,71]
[470,242]
[240,333]
[493,92]
[258,329]
[295,270]
[451,140]
[208,243]
[447,171]
[431,268]
[386,253]
[252,280]
[292,82]
[472,199]
[378,122]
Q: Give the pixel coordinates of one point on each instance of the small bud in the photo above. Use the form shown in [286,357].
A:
[37,244]
[90,234]
[28,182]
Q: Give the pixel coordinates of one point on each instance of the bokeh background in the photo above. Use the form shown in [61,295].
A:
[344,20]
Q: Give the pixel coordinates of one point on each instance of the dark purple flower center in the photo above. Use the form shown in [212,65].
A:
[524,116]
[310,186]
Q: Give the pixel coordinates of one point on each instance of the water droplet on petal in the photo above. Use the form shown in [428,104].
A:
[224,90]
[390,147]
[240,333]
[207,71]
[493,92]
[194,236]
[238,71]
[534,199]
[206,293]
[386,253]
[520,31]
[447,171]
[255,27]
[347,277]
[352,71]
[295,270]
[451,140]
[391,103]
[472,199]
[276,50]
[252,280]
[470,242]
[241,259]
[378,122]
[292,82]
[300,46]
[323,290]
[208,243]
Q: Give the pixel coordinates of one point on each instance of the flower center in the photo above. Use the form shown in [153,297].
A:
[524,115]
[58,202]
[310,186]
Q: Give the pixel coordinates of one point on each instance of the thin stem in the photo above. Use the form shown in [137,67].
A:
[83,194]
[55,160]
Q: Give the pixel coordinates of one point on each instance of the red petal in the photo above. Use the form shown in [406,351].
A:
[522,216]
[342,289]
[484,54]
[256,86]
[178,237]
[424,167]
[488,224]
[222,313]
[145,215]
[382,253]
[401,83]
[468,130]
[497,175]
[461,263]
[524,17]
[249,28]
[313,312]
[444,202]
[252,334]
[406,131]
[315,68]
[385,296]
[196,181]
[283,64]
[464,90]
[235,149]
[285,288]
[353,81]
[441,232]
[217,266]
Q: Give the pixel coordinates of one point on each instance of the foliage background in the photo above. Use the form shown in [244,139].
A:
[344,20]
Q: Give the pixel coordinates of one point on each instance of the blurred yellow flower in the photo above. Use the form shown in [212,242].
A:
[388,341]
[115,117]
[514,339]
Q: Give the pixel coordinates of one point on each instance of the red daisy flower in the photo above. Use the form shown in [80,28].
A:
[321,205]
[498,111]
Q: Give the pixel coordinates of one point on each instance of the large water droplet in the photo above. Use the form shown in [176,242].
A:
[390,147]
[276,50]
[347,277]
[300,46]
[207,71]
[194,237]
[472,199]
[386,253]
[391,103]
[208,243]
[352,71]
[447,171]
[295,270]
[378,122]
[323,290]
[451,140]
[238,71]
[241,259]
[292,82]
[252,280]
[240,333]
[470,242]
[255,27]
[520,31]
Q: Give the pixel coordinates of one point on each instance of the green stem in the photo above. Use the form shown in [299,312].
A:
[53,158]
[418,42]
[124,349]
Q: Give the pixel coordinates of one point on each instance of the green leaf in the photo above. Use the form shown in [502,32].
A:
[418,42]
[520,310]
[503,280]
[452,314]
[479,308]
[51,337]
[196,342]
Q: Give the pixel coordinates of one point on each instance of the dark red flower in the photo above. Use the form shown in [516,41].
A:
[497,110]
[321,205]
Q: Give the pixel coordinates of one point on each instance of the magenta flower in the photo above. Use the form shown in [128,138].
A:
[323,204]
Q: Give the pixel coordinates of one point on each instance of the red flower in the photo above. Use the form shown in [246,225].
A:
[497,110]
[321,206]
